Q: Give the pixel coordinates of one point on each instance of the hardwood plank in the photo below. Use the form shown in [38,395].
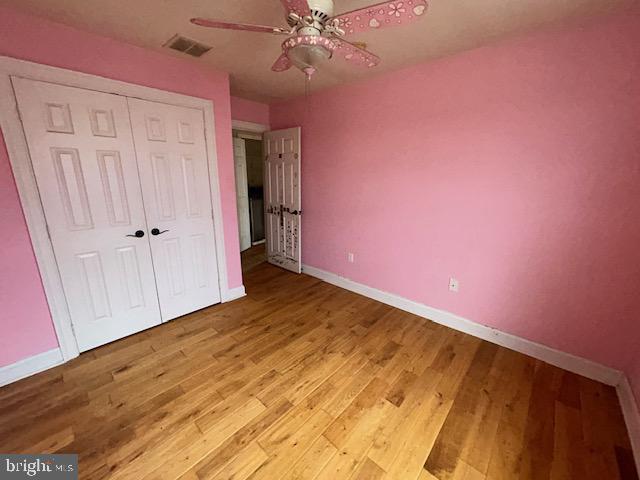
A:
[245,463]
[447,451]
[626,463]
[313,461]
[464,471]
[423,432]
[344,395]
[368,470]
[569,449]
[599,435]
[285,447]
[142,461]
[393,436]
[340,429]
[209,465]
[253,257]
[398,391]
[506,452]
[358,441]
[209,419]
[55,442]
[493,398]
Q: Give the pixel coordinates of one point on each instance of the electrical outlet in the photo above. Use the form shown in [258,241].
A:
[454,285]
[351,257]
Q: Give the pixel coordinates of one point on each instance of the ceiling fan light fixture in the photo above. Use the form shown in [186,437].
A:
[305,56]
[308,52]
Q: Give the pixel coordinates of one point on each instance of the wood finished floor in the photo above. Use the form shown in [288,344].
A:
[252,257]
[301,379]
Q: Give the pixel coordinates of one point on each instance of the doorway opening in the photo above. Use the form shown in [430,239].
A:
[247,148]
[268,191]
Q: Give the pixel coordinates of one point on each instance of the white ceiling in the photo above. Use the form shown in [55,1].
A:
[450,26]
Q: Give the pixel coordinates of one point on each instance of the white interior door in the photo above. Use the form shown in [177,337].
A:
[172,160]
[242,193]
[282,198]
[85,167]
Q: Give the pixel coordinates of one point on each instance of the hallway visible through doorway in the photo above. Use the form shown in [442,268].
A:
[249,188]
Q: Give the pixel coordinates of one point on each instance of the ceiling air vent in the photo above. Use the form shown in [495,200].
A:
[188,46]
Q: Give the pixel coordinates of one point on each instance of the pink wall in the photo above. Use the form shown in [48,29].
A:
[249,111]
[514,168]
[25,324]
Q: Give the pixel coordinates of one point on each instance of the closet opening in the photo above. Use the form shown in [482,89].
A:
[121,194]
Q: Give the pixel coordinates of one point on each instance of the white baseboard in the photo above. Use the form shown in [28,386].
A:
[631,416]
[233,294]
[572,363]
[30,366]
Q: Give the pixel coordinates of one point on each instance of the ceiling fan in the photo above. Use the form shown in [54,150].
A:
[315,34]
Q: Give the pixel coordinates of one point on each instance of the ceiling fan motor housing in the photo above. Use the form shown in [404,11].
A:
[321,10]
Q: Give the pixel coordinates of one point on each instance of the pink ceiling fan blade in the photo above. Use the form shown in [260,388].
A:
[300,7]
[354,54]
[203,22]
[382,15]
[282,63]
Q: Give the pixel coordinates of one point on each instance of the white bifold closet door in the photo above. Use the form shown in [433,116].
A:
[84,162]
[124,184]
[172,160]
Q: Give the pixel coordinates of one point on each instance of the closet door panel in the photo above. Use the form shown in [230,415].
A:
[83,157]
[172,161]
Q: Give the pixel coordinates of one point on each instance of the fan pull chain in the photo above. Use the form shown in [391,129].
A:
[309,71]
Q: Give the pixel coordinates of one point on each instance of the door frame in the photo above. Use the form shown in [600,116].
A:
[20,160]
[251,131]
[252,127]
[246,183]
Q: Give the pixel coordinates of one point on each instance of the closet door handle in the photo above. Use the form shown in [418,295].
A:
[138,234]
[157,231]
